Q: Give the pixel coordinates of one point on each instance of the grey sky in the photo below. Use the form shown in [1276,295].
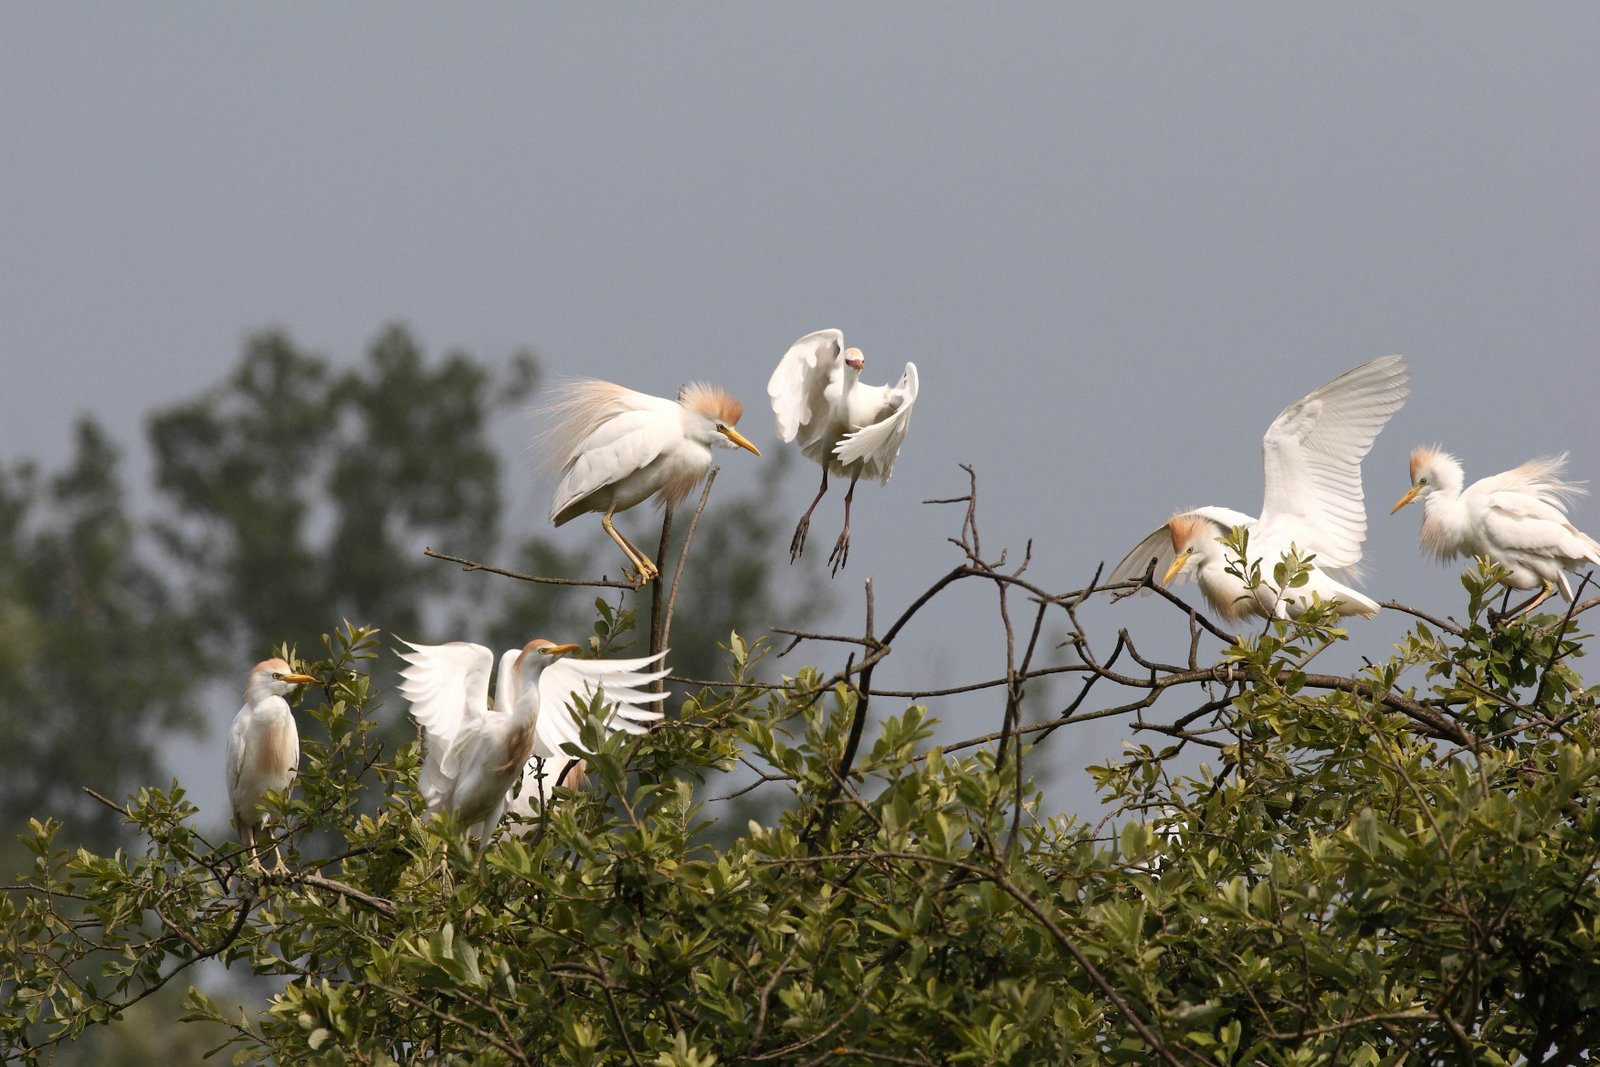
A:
[1117,239]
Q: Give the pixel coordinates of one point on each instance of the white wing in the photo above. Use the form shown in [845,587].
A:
[1158,547]
[626,443]
[448,689]
[877,443]
[623,682]
[1312,456]
[796,386]
[235,765]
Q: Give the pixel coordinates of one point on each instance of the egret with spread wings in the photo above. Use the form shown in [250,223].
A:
[1313,503]
[263,748]
[616,447]
[849,428]
[475,753]
[1517,519]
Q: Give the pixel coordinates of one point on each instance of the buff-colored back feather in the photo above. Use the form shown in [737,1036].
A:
[577,409]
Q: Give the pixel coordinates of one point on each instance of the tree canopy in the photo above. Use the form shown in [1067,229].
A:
[1392,866]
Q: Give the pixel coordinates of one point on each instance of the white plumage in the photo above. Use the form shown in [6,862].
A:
[476,754]
[1313,502]
[1517,518]
[263,747]
[615,447]
[851,429]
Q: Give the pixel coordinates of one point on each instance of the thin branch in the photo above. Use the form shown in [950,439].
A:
[471,565]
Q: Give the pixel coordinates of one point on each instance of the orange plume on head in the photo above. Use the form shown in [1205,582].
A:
[1421,456]
[1186,528]
[712,401]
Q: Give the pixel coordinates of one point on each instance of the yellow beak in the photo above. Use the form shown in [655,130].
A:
[558,650]
[1177,565]
[738,438]
[298,679]
[1411,494]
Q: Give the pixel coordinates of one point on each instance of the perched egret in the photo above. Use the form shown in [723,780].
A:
[1517,519]
[616,447]
[263,748]
[476,755]
[849,428]
[1313,503]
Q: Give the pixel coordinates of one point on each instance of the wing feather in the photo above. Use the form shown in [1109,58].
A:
[447,687]
[1312,456]
[623,682]
[878,443]
[629,442]
[797,384]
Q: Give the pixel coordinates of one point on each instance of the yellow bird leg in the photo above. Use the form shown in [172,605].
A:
[646,569]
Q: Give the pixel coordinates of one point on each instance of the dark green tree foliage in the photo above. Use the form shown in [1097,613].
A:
[1397,866]
[96,658]
[302,496]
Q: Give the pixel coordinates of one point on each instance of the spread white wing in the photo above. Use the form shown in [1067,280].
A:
[878,442]
[1312,456]
[447,687]
[1158,547]
[796,386]
[624,683]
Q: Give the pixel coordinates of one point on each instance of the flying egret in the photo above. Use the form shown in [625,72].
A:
[1313,502]
[616,447]
[475,755]
[1517,519]
[263,748]
[849,428]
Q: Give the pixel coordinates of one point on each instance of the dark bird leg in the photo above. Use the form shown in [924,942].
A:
[797,544]
[841,549]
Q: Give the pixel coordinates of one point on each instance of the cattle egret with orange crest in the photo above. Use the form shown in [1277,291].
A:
[616,447]
[849,428]
[475,753]
[1517,519]
[263,748]
[1313,504]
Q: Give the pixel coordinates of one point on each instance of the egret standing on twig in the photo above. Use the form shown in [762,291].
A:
[616,447]
[475,755]
[263,748]
[849,428]
[1313,503]
[1517,519]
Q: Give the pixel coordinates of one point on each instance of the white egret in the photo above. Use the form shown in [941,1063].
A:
[616,447]
[1313,503]
[849,428]
[1517,518]
[263,748]
[475,755]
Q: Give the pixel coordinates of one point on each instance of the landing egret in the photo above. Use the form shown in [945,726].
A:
[263,748]
[475,755]
[1517,519]
[849,428]
[1313,502]
[616,447]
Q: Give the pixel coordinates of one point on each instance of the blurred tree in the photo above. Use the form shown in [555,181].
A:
[96,657]
[303,496]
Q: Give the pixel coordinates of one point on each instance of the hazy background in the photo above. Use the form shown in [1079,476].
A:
[1116,239]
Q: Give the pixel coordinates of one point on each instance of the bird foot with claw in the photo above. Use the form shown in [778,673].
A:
[840,554]
[797,544]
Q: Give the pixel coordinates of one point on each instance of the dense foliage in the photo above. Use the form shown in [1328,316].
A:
[1396,866]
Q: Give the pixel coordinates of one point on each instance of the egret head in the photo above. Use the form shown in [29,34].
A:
[274,677]
[854,359]
[538,652]
[1192,535]
[1431,468]
[720,411]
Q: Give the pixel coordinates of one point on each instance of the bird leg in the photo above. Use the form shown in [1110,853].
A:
[841,548]
[797,544]
[1546,591]
[646,569]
